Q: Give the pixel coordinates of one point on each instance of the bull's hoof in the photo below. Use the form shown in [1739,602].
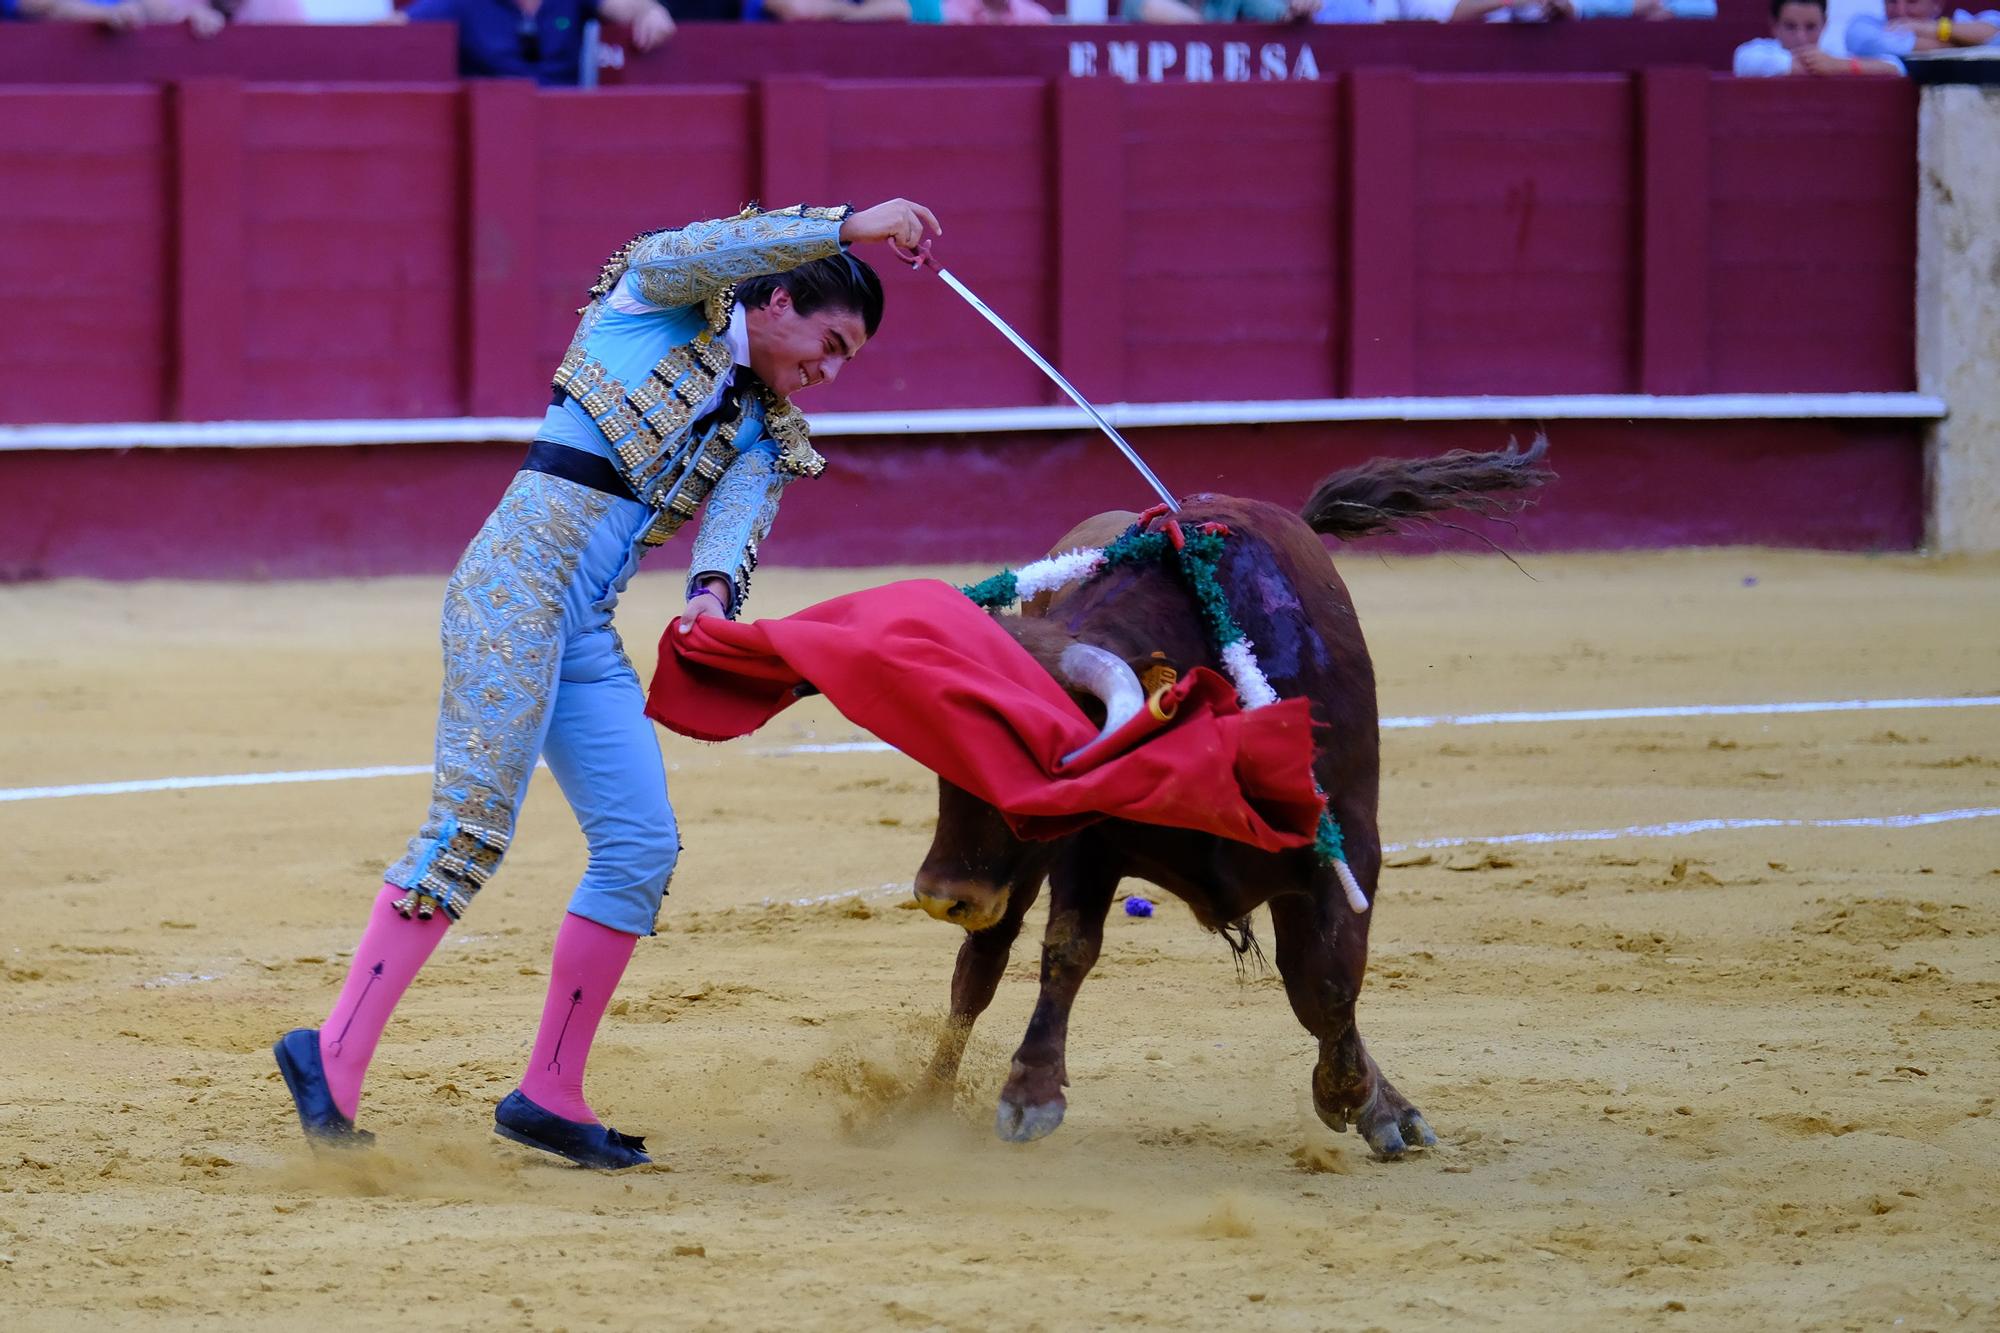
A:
[1392,1130]
[1017,1123]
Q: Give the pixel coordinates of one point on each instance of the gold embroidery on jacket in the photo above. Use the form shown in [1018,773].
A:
[501,634]
[787,425]
[643,423]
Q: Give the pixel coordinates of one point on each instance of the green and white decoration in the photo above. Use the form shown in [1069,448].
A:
[1196,558]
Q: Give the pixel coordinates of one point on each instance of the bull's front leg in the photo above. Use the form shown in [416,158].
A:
[982,959]
[1032,1102]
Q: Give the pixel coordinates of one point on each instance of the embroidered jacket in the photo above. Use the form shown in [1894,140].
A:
[640,383]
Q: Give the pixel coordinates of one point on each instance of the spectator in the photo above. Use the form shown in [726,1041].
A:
[1494,11]
[1793,46]
[537,39]
[108,13]
[1216,11]
[1907,27]
[995,11]
[1507,11]
[836,11]
[293,11]
[1646,9]
[202,18]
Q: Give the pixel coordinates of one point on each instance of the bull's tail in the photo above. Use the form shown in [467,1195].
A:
[1377,496]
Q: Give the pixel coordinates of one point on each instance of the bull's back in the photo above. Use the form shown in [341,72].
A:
[1097,530]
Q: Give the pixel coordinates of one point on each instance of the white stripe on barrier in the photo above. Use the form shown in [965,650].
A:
[978,420]
[879,747]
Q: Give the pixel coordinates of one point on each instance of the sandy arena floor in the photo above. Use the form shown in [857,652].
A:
[1733,1079]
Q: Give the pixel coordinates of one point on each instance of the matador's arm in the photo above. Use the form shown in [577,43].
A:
[740,512]
[677,268]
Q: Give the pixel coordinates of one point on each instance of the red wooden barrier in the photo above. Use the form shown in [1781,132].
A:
[736,53]
[1524,236]
[231,513]
[979,154]
[1812,250]
[353,249]
[1229,238]
[269,251]
[79,53]
[733,53]
[1673,232]
[85,246]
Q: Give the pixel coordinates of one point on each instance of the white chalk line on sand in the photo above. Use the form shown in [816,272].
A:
[878,747]
[1692,826]
[214,780]
[1421,722]
[1687,710]
[1684,829]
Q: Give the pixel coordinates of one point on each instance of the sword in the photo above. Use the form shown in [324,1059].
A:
[923,258]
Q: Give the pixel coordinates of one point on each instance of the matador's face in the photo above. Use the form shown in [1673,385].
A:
[790,351]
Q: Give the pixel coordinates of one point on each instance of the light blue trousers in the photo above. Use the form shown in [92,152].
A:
[533,668]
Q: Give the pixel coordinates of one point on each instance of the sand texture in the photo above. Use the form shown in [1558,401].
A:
[1741,1078]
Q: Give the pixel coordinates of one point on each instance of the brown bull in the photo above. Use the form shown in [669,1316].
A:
[1284,593]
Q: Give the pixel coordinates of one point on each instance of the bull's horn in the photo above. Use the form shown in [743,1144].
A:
[1086,667]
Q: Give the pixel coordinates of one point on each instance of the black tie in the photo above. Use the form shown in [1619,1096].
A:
[726,408]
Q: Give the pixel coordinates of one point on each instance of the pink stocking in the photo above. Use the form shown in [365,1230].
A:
[391,952]
[589,960]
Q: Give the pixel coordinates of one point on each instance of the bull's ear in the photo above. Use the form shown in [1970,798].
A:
[1046,643]
[1043,639]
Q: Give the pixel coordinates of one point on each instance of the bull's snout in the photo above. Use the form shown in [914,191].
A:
[974,906]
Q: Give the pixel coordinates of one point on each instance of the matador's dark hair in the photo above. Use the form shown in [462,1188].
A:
[837,282]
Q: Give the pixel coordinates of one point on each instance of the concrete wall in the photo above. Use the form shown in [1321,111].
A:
[1958,310]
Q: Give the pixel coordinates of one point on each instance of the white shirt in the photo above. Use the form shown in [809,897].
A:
[737,336]
[626,300]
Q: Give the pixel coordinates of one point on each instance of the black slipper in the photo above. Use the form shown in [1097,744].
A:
[586,1144]
[297,1053]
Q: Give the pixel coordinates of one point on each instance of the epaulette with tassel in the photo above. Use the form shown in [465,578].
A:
[621,260]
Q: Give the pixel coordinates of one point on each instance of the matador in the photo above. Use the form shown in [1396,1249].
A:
[675,394]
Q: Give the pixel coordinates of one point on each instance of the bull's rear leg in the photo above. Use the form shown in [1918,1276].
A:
[982,959]
[1322,949]
[1032,1102]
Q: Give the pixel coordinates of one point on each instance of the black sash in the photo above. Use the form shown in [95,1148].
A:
[577,465]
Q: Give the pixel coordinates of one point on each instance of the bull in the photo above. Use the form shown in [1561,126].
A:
[1095,638]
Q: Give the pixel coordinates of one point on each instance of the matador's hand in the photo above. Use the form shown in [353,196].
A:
[899,221]
[707,601]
